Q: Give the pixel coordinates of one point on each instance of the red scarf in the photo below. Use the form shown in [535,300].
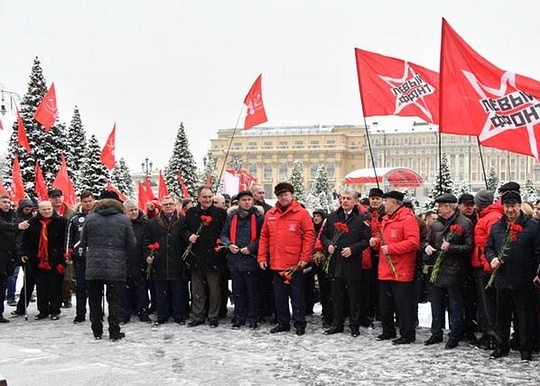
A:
[234,223]
[43,246]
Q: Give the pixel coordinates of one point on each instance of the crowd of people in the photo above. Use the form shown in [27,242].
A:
[370,259]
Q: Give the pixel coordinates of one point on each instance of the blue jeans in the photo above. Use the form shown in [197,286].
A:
[12,283]
[438,306]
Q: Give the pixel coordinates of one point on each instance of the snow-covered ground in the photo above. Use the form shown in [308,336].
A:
[60,353]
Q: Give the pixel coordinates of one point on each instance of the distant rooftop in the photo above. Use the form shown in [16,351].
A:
[289,130]
[420,127]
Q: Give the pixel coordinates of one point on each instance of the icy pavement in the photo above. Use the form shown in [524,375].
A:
[61,353]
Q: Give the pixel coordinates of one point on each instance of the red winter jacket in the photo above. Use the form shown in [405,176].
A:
[287,237]
[402,235]
[486,218]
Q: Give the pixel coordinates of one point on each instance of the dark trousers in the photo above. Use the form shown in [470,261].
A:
[398,299]
[294,290]
[135,298]
[3,284]
[365,296]
[374,289]
[28,287]
[341,290]
[325,290]
[11,284]
[522,303]
[49,291]
[487,302]
[438,307]
[224,293]
[309,290]
[95,298]
[245,295]
[266,294]
[81,295]
[171,298]
[200,282]
[470,304]
[68,284]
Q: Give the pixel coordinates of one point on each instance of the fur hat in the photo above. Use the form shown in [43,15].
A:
[509,186]
[394,194]
[283,187]
[511,197]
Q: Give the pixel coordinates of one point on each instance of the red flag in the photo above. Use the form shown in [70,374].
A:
[185,192]
[63,182]
[143,197]
[1,126]
[112,188]
[21,133]
[40,185]
[3,189]
[148,188]
[255,114]
[478,98]
[162,189]
[390,86]
[17,185]
[47,111]
[107,154]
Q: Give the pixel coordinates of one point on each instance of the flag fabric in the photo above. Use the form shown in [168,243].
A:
[107,154]
[185,192]
[21,133]
[3,189]
[63,182]
[40,184]
[111,188]
[1,125]
[477,98]
[17,184]
[148,189]
[47,111]
[255,114]
[142,197]
[162,188]
[238,180]
[390,86]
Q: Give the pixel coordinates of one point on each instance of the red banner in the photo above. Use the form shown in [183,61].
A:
[107,154]
[47,111]
[255,114]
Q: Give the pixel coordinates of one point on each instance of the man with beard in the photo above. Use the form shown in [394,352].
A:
[345,256]
[43,247]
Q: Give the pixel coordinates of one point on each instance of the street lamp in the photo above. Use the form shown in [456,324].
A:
[12,98]
[236,162]
[147,167]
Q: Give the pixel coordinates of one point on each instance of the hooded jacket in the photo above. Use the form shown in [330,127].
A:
[486,218]
[106,238]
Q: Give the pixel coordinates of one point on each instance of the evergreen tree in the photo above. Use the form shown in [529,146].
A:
[322,190]
[121,178]
[492,180]
[463,188]
[181,161]
[529,192]
[76,148]
[93,174]
[443,184]
[297,181]
[47,146]
[209,173]
[408,195]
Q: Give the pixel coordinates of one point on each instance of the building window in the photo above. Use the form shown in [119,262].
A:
[313,169]
[252,169]
[330,143]
[331,170]
[313,144]
[282,172]
[252,145]
[237,145]
[267,172]
[283,145]
[267,145]
[298,144]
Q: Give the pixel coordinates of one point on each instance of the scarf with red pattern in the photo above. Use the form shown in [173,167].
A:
[43,246]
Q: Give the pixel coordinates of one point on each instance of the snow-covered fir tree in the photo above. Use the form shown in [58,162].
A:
[463,188]
[209,174]
[408,195]
[181,161]
[47,146]
[492,180]
[121,178]
[93,174]
[443,184]
[321,192]
[297,181]
[529,192]
[76,147]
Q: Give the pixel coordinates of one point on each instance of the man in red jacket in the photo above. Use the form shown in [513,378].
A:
[397,251]
[286,244]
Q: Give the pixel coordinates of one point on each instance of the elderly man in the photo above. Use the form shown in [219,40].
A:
[286,244]
[398,245]
[450,241]
[346,260]
[43,246]
[515,267]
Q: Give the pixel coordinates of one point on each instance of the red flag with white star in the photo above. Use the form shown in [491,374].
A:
[47,111]
[255,114]
[142,197]
[107,154]
[17,184]
[501,108]
[162,187]
[390,86]
[63,182]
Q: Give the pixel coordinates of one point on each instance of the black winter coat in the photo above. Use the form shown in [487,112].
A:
[204,257]
[8,232]
[239,262]
[73,233]
[523,256]
[357,238]
[457,258]
[56,231]
[106,237]
[168,263]
[136,256]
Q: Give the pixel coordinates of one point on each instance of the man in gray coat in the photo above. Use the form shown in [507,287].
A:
[106,237]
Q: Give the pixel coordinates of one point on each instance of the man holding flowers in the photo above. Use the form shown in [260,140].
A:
[448,248]
[344,237]
[513,250]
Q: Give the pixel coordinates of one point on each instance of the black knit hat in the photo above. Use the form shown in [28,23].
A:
[394,194]
[466,198]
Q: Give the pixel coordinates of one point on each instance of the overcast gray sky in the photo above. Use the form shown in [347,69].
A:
[150,65]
